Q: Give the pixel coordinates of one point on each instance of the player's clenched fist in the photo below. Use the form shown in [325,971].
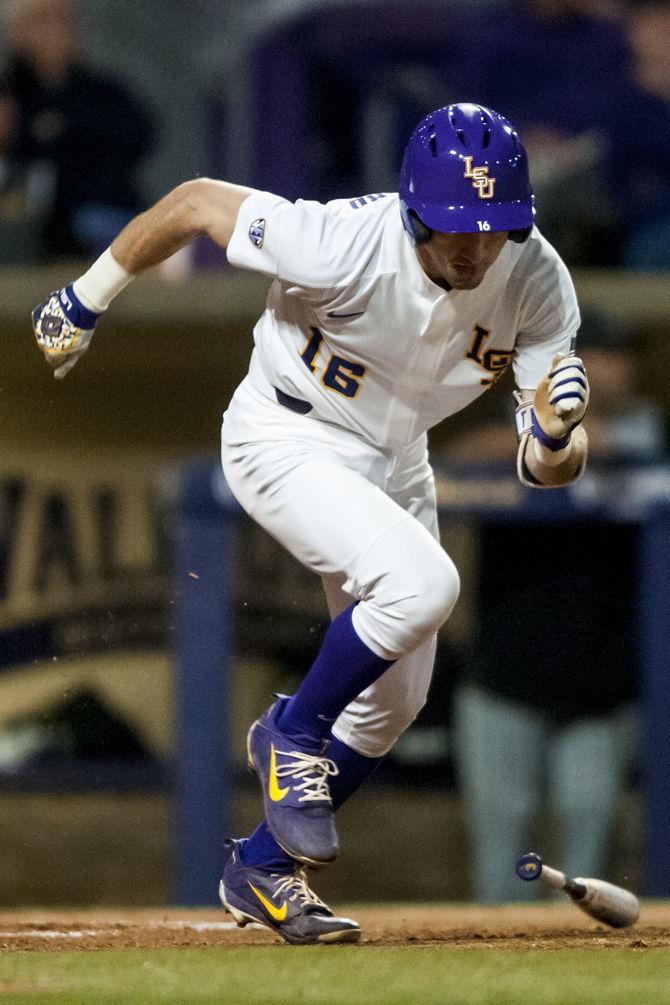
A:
[63,328]
[560,400]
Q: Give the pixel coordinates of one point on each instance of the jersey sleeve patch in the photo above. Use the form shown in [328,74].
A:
[257,233]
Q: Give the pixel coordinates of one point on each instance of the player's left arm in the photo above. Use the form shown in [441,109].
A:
[553,444]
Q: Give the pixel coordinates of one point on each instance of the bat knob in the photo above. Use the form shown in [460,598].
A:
[529,866]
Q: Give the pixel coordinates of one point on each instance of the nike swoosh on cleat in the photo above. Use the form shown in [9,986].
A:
[278,913]
[333,314]
[275,793]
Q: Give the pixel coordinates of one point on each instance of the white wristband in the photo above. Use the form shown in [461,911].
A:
[524,418]
[97,288]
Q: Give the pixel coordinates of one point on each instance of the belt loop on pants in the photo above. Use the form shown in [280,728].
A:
[295,404]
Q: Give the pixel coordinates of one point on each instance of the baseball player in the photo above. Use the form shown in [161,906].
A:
[386,314]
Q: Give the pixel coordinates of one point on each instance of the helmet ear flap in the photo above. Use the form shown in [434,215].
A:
[422,233]
[415,227]
[520,236]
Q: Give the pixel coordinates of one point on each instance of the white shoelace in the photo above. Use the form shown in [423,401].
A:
[296,888]
[313,772]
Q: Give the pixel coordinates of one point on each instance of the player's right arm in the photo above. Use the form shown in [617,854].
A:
[65,322]
[196,208]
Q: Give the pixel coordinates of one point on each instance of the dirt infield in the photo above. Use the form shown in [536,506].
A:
[552,926]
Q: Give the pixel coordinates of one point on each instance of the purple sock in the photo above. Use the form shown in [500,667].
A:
[354,768]
[344,667]
[262,850]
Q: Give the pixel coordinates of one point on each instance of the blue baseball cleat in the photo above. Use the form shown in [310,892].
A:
[296,795]
[529,866]
[282,902]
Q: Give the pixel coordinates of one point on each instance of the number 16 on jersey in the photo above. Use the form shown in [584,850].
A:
[339,374]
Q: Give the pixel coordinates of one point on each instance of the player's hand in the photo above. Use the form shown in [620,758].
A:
[63,328]
[561,397]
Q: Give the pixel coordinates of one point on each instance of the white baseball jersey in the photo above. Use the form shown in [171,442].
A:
[354,327]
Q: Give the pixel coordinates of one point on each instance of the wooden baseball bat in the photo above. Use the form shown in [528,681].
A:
[604,901]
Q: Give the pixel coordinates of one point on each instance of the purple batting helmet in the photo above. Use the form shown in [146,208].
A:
[465,170]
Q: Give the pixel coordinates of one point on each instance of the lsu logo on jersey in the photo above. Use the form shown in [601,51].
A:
[480,178]
[494,361]
[257,233]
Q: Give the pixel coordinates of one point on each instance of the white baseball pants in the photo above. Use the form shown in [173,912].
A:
[364,521]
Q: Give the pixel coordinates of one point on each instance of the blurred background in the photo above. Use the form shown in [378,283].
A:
[542,727]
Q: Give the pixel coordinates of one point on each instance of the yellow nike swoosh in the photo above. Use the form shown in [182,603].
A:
[278,913]
[274,791]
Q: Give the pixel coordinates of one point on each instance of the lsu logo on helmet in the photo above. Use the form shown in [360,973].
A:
[480,178]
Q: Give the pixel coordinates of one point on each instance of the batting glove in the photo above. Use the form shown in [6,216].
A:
[560,402]
[63,328]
